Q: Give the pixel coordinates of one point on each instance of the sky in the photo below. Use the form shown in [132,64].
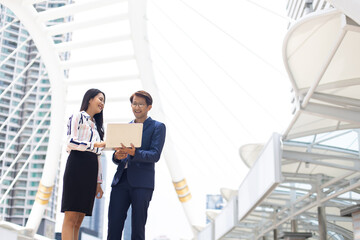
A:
[221,84]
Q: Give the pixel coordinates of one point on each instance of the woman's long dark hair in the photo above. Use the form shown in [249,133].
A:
[99,120]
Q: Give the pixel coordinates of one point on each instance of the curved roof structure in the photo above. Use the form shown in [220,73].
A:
[310,167]
[320,55]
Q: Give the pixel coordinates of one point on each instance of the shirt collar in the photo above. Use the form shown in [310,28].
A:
[133,121]
[86,115]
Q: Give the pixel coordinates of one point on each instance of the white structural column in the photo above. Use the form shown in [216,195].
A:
[137,15]
[26,13]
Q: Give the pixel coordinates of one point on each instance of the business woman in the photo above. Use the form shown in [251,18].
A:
[83,176]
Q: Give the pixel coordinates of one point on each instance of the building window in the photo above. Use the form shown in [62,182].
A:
[38,165]
[19,202]
[34,184]
[32,193]
[18,211]
[35,175]
[7,182]
[19,193]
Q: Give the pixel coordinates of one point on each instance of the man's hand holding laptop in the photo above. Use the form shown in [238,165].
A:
[123,151]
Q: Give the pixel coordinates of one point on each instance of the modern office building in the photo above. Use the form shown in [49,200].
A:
[24,118]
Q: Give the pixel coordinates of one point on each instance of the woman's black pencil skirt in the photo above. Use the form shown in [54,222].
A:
[80,180]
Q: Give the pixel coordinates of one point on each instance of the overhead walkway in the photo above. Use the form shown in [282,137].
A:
[96,19]
[299,181]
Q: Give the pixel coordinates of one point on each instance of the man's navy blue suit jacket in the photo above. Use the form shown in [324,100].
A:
[141,166]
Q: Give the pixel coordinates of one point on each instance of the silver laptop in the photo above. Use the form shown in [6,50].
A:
[125,133]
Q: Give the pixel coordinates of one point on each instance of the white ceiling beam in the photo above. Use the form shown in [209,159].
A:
[71,26]
[335,113]
[291,135]
[350,118]
[308,158]
[68,46]
[71,9]
[296,155]
[338,100]
[71,64]
[74,82]
[306,146]
[333,85]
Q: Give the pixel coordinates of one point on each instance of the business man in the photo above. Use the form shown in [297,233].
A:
[133,182]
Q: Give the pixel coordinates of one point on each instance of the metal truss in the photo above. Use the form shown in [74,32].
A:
[303,191]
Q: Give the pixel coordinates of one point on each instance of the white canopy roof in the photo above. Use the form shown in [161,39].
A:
[321,54]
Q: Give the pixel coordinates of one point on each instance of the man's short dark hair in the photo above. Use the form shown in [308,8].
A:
[142,94]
